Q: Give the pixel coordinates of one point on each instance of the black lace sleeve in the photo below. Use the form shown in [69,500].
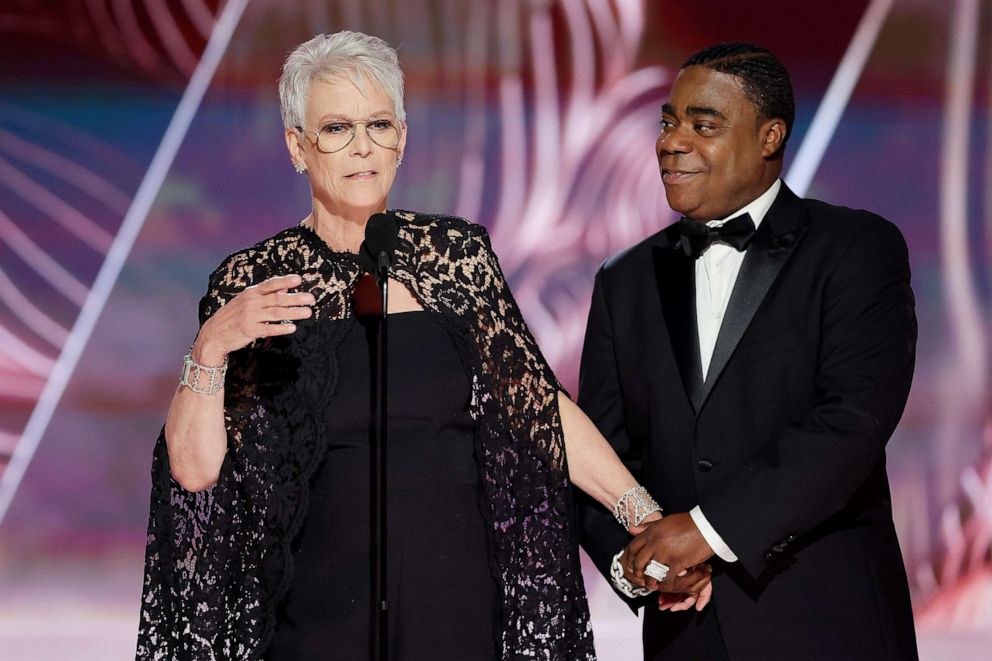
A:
[525,473]
[519,376]
[218,561]
[187,575]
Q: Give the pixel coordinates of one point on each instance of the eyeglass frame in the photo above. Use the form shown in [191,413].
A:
[354,132]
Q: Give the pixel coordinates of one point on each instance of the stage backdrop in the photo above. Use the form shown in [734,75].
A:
[140,143]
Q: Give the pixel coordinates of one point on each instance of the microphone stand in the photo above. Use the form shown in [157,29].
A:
[379,651]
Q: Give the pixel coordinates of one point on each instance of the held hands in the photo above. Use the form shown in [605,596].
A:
[653,516]
[698,597]
[254,313]
[676,542]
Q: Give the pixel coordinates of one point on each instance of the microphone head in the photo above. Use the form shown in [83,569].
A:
[381,236]
[382,233]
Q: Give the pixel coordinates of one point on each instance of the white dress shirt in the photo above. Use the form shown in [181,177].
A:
[716,273]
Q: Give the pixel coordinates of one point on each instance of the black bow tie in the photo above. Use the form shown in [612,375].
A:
[697,237]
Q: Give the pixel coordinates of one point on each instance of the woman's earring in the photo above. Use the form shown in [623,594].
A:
[399,161]
[300,168]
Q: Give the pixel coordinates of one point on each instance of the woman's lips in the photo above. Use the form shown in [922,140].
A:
[677,176]
[364,174]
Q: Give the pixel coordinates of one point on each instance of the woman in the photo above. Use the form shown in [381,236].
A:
[259,531]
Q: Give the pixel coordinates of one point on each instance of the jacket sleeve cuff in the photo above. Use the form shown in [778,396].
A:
[711,536]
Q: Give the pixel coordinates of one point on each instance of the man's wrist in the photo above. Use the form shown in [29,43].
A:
[712,537]
[620,582]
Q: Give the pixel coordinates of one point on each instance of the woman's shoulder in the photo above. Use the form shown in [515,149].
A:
[289,237]
[254,263]
[439,226]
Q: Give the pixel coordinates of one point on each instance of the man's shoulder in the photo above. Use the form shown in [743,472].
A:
[821,211]
[841,224]
[639,255]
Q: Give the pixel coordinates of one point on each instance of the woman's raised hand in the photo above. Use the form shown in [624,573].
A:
[263,310]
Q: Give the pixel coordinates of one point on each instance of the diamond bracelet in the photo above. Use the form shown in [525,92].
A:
[194,374]
[620,582]
[635,505]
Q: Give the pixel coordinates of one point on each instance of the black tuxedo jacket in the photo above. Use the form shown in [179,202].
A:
[783,444]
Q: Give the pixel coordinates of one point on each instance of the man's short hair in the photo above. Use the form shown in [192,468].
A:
[765,81]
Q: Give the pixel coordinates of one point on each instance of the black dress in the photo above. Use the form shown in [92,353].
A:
[444,602]
[219,562]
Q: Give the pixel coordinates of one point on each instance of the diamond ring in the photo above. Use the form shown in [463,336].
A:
[656,570]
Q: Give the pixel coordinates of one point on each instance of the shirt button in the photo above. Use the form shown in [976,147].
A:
[704,465]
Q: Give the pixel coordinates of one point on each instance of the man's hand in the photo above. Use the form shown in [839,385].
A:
[675,541]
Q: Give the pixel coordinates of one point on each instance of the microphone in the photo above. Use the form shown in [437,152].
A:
[381,240]
[376,256]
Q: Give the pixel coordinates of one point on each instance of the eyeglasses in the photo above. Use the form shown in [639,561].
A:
[335,136]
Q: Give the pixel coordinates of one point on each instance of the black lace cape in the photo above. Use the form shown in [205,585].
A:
[218,561]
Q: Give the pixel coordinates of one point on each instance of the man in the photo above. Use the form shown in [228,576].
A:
[750,372]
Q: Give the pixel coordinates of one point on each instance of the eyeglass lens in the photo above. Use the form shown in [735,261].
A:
[337,135]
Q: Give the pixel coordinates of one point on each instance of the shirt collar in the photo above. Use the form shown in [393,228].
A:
[757,207]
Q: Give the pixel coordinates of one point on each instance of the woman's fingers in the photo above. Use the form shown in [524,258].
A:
[685,604]
[278,282]
[278,314]
[263,310]
[702,579]
[298,313]
[699,596]
[272,330]
[704,597]
[683,601]
[674,601]
[283,298]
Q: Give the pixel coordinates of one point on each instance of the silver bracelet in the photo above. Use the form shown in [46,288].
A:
[194,375]
[635,505]
[620,582]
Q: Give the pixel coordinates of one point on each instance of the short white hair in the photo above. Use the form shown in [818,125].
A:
[351,55]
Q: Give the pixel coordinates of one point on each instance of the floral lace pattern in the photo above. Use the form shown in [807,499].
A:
[219,561]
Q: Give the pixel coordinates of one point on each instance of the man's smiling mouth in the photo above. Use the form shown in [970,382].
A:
[672,176]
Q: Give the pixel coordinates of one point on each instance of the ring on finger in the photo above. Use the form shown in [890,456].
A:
[656,570]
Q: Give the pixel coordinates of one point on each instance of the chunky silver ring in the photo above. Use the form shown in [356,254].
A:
[656,570]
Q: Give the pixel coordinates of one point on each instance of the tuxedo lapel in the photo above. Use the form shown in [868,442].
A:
[773,244]
[675,276]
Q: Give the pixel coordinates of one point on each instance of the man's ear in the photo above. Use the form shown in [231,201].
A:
[772,133]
